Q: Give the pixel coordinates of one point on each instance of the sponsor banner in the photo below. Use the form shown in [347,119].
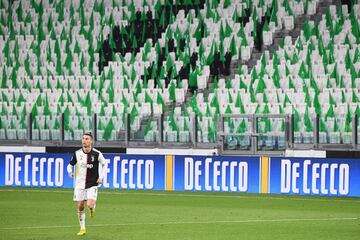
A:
[279,175]
[313,176]
[141,172]
[215,174]
[34,170]
[145,172]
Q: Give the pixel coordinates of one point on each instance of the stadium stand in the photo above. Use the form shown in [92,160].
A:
[184,62]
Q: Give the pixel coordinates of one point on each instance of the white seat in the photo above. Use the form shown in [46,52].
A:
[35,134]
[311,10]
[157,109]
[150,83]
[149,137]
[136,124]
[280,138]
[334,137]
[245,53]
[345,10]
[184,136]
[68,135]
[171,136]
[298,8]
[179,95]
[145,109]
[78,134]
[185,84]
[288,41]
[297,137]
[100,134]
[201,82]
[205,137]
[267,38]
[55,134]
[2,134]
[323,137]
[244,141]
[44,134]
[270,142]
[347,137]
[308,137]
[289,22]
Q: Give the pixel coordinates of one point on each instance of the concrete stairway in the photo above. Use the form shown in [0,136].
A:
[281,34]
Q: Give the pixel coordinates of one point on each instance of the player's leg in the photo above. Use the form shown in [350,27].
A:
[79,197]
[91,203]
[81,214]
[91,199]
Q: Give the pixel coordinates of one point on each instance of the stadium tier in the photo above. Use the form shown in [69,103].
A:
[184,62]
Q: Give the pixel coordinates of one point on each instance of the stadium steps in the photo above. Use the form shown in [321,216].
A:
[281,34]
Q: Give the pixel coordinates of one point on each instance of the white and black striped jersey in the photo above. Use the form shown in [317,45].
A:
[87,167]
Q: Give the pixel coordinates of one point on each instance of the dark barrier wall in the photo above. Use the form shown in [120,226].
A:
[303,176]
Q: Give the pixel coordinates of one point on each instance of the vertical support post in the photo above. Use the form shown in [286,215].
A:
[220,135]
[316,131]
[127,129]
[194,133]
[29,127]
[62,129]
[289,131]
[94,127]
[161,129]
[355,124]
[254,138]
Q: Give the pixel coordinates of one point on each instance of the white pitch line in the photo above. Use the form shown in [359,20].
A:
[190,222]
[174,194]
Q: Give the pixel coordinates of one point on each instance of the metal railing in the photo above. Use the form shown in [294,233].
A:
[234,134]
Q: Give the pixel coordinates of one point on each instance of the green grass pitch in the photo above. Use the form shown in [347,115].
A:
[51,214]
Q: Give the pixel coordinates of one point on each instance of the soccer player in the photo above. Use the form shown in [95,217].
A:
[87,177]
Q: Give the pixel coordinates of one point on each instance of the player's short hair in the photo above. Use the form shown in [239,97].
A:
[88,134]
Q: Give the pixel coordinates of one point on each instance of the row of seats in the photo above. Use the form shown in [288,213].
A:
[224,30]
